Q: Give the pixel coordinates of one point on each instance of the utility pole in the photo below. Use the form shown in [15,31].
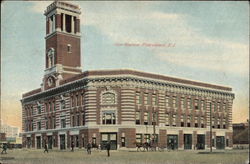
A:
[211,128]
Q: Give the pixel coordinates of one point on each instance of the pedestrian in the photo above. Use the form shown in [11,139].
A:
[89,146]
[108,148]
[46,148]
[99,147]
[72,146]
[4,149]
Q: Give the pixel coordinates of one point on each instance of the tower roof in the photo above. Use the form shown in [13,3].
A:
[62,5]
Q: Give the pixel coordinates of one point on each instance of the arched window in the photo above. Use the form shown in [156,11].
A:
[108,98]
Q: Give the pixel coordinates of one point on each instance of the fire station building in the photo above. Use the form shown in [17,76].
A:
[120,106]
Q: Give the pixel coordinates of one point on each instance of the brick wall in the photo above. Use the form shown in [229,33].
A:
[130,136]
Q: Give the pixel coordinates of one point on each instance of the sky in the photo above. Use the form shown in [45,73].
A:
[203,41]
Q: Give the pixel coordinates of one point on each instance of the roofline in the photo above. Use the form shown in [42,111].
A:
[138,73]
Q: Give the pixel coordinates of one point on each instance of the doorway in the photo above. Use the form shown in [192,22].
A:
[38,142]
[62,141]
[187,141]
[109,137]
[220,142]
[50,142]
[200,142]
[172,142]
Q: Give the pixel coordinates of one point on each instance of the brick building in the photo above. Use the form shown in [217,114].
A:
[121,106]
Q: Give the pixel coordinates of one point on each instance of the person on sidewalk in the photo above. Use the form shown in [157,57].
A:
[108,148]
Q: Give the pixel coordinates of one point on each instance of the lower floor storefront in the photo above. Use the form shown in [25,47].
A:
[119,138]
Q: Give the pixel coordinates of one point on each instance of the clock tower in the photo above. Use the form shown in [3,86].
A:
[63,50]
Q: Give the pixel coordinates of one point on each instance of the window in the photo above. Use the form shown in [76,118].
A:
[167,101]
[63,123]
[77,100]
[202,122]
[54,123]
[62,104]
[174,102]
[138,98]
[82,99]
[73,120]
[108,98]
[72,101]
[78,120]
[146,118]
[123,141]
[218,126]
[188,121]
[202,105]
[189,104]
[83,119]
[182,122]
[227,142]
[47,124]
[154,99]
[196,104]
[137,118]
[196,122]
[54,105]
[108,118]
[182,103]
[167,120]
[146,99]
[174,120]
[219,106]
[215,106]
[50,106]
[147,137]
[39,125]
[224,123]
[224,107]
[138,138]
[69,48]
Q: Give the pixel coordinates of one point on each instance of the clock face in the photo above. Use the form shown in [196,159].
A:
[50,81]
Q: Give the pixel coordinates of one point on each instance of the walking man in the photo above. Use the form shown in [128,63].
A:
[72,146]
[108,148]
[4,149]
[89,146]
[46,148]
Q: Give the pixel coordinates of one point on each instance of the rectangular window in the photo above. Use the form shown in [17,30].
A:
[202,105]
[69,48]
[50,106]
[218,126]
[146,118]
[63,123]
[62,104]
[54,105]
[108,118]
[77,100]
[182,122]
[138,98]
[73,120]
[154,99]
[82,99]
[224,107]
[78,120]
[72,101]
[189,104]
[196,104]
[47,124]
[155,118]
[123,141]
[167,101]
[39,125]
[182,103]
[188,121]
[83,119]
[219,106]
[137,118]
[174,120]
[174,102]
[167,120]
[54,126]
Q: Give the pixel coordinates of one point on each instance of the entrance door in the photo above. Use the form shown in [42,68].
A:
[172,141]
[28,142]
[50,142]
[220,142]
[38,142]
[187,141]
[200,141]
[62,141]
[109,137]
